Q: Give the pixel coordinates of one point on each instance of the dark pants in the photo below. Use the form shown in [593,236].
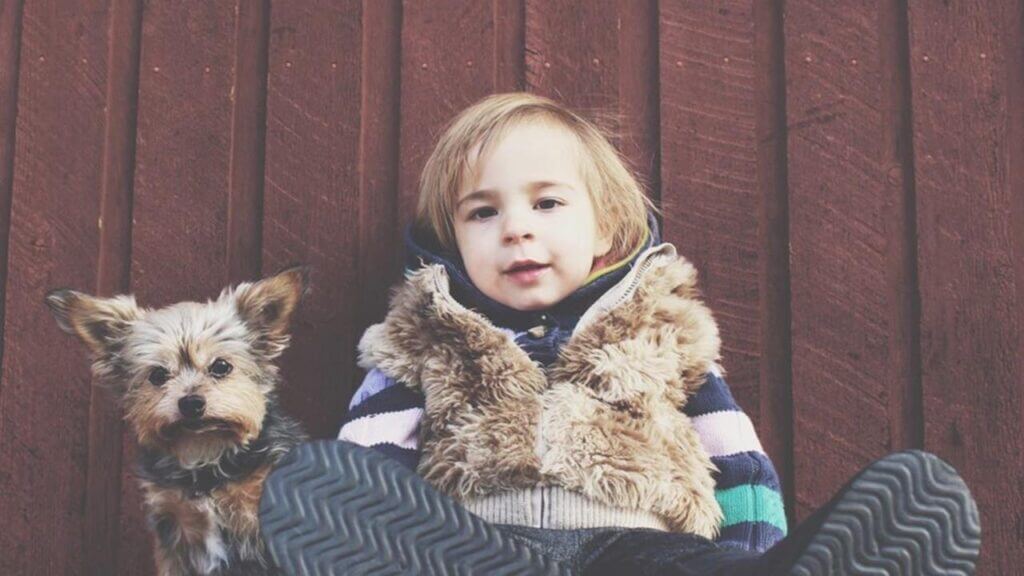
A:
[617,551]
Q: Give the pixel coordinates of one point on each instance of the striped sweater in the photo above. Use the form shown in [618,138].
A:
[386,415]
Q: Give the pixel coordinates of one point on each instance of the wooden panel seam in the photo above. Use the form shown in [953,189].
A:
[379,141]
[10,52]
[248,141]
[905,414]
[509,45]
[776,375]
[113,269]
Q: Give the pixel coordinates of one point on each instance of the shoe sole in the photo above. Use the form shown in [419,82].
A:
[909,513]
[332,507]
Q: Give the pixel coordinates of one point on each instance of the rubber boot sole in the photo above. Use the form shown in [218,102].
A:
[910,513]
[332,507]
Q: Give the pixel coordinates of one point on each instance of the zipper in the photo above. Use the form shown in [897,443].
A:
[637,276]
[540,449]
[537,505]
[633,283]
[542,490]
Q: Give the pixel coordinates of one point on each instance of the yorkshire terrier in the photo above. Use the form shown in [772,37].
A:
[197,383]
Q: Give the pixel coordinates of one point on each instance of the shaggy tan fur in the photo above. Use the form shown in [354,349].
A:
[605,421]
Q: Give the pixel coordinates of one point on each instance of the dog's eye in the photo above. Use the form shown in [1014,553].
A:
[158,376]
[220,368]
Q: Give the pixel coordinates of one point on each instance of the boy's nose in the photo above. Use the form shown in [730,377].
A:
[517,236]
[517,230]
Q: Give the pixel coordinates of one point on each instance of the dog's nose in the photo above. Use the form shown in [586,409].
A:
[192,406]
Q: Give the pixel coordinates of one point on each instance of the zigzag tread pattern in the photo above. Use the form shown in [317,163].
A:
[336,508]
[910,513]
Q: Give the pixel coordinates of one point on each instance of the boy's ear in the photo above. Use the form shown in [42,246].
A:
[267,306]
[603,244]
[98,322]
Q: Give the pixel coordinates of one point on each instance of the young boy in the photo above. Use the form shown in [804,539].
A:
[551,375]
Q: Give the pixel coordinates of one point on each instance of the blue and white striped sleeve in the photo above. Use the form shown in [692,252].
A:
[385,415]
[746,485]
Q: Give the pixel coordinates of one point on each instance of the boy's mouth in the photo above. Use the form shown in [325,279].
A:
[525,271]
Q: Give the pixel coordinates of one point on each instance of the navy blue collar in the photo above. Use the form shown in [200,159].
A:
[423,249]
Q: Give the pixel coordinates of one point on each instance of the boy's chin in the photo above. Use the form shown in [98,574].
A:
[530,302]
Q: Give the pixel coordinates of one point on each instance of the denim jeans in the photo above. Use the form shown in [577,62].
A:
[640,552]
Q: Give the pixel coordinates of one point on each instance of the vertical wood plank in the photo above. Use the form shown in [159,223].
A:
[710,172]
[639,105]
[44,391]
[848,278]
[311,202]
[183,151]
[572,54]
[966,64]
[182,181]
[448,62]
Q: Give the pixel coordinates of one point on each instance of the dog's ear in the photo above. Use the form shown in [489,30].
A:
[267,306]
[98,322]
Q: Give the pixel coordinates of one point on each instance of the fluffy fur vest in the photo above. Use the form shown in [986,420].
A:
[603,420]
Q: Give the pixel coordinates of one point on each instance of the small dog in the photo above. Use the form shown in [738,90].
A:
[196,382]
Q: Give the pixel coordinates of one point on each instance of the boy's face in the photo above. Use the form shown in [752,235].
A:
[525,228]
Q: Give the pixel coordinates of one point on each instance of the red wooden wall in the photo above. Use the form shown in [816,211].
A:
[848,177]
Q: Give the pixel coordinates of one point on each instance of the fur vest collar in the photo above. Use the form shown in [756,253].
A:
[604,419]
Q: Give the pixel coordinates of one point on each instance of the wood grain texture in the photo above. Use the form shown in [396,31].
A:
[639,103]
[601,59]
[311,200]
[966,64]
[448,63]
[44,391]
[847,176]
[572,55]
[840,299]
[711,191]
[182,182]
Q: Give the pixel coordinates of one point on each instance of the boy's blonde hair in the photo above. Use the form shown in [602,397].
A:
[620,205]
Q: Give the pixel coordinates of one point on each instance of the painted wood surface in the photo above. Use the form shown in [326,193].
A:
[847,177]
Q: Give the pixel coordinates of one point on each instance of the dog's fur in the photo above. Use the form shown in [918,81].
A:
[201,470]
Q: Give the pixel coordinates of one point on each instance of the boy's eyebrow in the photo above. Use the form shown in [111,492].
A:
[486,192]
[474,196]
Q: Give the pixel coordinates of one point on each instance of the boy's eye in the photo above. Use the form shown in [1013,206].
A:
[220,368]
[159,376]
[548,204]
[481,213]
